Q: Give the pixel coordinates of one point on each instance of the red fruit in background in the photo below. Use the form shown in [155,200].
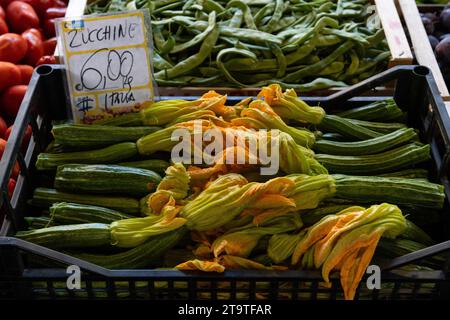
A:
[3,128]
[50,46]
[25,73]
[26,138]
[12,47]
[2,13]
[55,13]
[47,60]
[11,187]
[10,75]
[11,99]
[49,28]
[35,46]
[3,26]
[21,16]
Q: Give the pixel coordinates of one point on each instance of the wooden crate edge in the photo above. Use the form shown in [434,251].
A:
[422,47]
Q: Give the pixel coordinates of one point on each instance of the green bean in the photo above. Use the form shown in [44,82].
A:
[277,14]
[354,65]
[193,61]
[241,33]
[167,7]
[264,11]
[321,24]
[281,60]
[163,3]
[328,40]
[167,45]
[346,35]
[236,20]
[198,38]
[160,63]
[381,57]
[332,68]
[222,66]
[211,5]
[248,18]
[317,67]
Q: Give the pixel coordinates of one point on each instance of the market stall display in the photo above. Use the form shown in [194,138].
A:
[228,217]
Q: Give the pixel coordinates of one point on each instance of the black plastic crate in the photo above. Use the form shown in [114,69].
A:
[415,91]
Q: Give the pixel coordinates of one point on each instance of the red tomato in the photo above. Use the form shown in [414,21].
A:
[4,3]
[11,187]
[55,13]
[3,128]
[26,137]
[12,98]
[2,147]
[25,73]
[2,13]
[35,46]
[16,168]
[47,60]
[12,47]
[50,46]
[9,75]
[21,16]
[3,26]
[49,28]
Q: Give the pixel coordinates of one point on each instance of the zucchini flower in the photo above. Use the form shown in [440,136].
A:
[289,106]
[239,263]
[347,241]
[262,112]
[310,191]
[174,186]
[241,241]
[282,246]
[130,233]
[225,199]
[202,265]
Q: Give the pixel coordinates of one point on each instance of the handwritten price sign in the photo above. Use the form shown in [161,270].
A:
[107,61]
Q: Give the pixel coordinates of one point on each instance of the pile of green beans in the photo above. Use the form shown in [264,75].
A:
[302,44]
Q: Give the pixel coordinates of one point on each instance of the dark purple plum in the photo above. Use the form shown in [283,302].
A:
[443,36]
[445,19]
[443,51]
[433,41]
[428,24]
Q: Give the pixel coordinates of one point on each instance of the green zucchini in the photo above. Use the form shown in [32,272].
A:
[382,111]
[408,174]
[344,127]
[111,154]
[413,232]
[372,146]
[144,255]
[39,222]
[106,179]
[333,137]
[155,165]
[393,160]
[70,236]
[133,119]
[381,127]
[74,213]
[44,198]
[82,136]
[409,192]
[393,248]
